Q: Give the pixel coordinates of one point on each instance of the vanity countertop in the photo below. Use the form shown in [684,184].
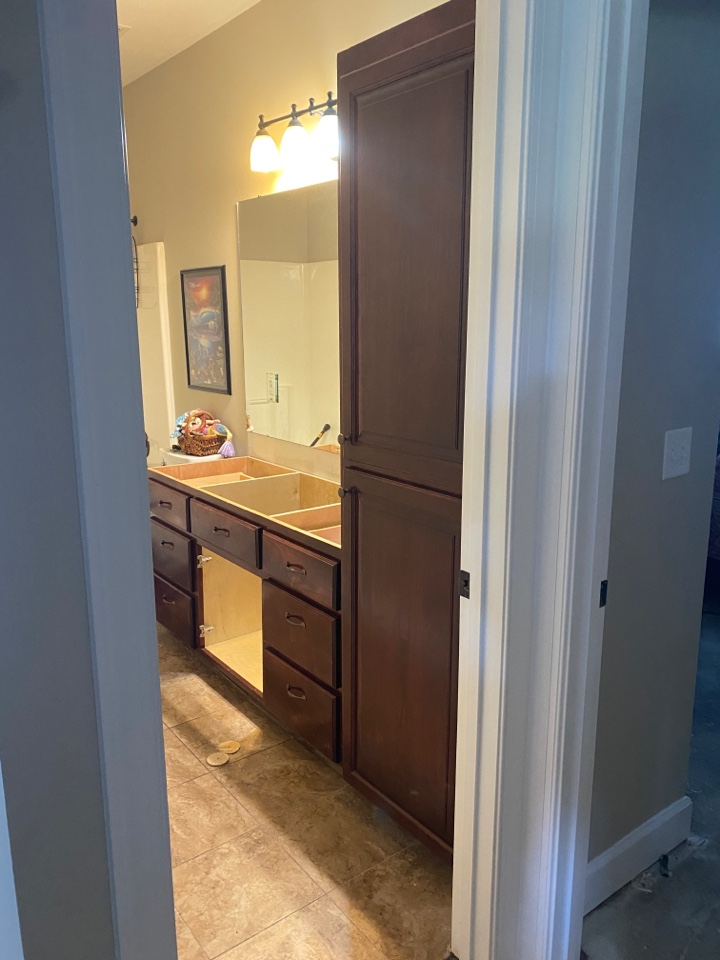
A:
[298,505]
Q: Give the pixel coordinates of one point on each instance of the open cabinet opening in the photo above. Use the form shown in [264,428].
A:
[232,618]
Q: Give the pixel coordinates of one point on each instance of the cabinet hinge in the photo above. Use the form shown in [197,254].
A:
[603,593]
[465,584]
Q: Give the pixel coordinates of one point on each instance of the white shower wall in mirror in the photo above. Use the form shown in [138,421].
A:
[289,299]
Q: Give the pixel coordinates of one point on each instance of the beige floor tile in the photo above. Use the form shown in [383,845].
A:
[333,832]
[239,889]
[251,728]
[180,764]
[203,815]
[190,697]
[320,931]
[402,905]
[187,946]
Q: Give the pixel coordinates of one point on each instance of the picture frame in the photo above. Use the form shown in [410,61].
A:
[205,320]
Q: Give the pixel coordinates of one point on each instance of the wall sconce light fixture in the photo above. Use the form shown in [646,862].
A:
[296,145]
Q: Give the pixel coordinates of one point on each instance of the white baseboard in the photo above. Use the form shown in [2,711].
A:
[636,852]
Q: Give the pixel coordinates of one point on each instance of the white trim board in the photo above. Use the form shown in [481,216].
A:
[637,851]
[556,128]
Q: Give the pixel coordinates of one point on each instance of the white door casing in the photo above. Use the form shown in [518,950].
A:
[557,113]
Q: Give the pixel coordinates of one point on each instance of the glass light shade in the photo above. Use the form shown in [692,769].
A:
[294,146]
[264,154]
[326,135]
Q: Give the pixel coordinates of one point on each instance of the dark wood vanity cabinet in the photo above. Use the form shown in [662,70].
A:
[405,108]
[210,562]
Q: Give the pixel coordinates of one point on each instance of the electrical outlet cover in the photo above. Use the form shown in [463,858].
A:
[676,461]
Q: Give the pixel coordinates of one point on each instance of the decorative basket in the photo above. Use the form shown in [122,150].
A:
[197,445]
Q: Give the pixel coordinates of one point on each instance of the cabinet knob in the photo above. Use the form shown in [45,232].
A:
[168,601]
[222,530]
[165,503]
[297,693]
[342,492]
[343,439]
[168,544]
[296,568]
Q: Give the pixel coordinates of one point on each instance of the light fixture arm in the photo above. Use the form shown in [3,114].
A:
[310,110]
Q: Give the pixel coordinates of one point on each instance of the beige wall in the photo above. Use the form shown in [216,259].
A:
[190,123]
[670,378]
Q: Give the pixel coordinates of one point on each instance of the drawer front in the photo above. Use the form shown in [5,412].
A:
[168,505]
[173,555]
[301,705]
[228,535]
[176,611]
[308,573]
[301,632]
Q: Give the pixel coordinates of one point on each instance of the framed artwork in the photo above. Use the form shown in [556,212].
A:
[204,298]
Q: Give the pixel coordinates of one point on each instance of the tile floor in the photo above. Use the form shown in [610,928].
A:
[274,856]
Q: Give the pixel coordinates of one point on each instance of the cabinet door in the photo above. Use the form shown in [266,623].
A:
[405,108]
[400,635]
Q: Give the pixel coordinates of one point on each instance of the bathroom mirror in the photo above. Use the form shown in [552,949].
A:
[287,245]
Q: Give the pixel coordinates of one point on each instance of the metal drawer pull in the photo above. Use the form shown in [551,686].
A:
[296,568]
[170,603]
[165,503]
[223,530]
[201,560]
[167,543]
[297,693]
[295,621]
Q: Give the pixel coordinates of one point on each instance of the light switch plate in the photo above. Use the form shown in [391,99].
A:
[676,460]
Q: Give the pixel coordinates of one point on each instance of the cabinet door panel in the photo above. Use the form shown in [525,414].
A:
[400,646]
[404,238]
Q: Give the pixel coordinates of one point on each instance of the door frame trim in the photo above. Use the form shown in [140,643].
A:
[550,250]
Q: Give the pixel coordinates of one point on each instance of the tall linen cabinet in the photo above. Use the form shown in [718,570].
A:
[405,107]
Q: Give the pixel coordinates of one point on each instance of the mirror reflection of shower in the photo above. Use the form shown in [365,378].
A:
[290,317]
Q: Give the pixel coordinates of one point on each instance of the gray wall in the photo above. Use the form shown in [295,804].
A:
[670,378]
[83,773]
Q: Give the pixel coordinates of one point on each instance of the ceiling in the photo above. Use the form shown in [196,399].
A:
[153,31]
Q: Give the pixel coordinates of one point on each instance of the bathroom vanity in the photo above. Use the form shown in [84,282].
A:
[246,563]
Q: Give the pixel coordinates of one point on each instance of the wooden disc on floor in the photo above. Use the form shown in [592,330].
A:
[218,759]
[229,746]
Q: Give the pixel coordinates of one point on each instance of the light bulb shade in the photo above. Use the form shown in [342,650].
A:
[264,154]
[294,146]
[326,135]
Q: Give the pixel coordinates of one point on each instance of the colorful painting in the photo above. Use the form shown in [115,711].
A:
[206,337]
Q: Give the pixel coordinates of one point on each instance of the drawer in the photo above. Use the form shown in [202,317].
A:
[173,555]
[168,505]
[301,705]
[301,633]
[176,611]
[301,570]
[238,540]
